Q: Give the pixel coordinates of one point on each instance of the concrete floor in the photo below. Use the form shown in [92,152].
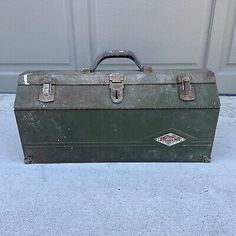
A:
[118,199]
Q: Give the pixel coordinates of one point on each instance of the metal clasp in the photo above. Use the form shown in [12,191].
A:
[47,90]
[116,84]
[186,89]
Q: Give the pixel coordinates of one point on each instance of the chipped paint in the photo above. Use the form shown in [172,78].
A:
[26,78]
[130,77]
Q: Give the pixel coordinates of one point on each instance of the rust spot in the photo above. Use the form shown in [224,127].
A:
[206,159]
[210,73]
[210,76]
[28,159]
[147,69]
[85,70]
[34,159]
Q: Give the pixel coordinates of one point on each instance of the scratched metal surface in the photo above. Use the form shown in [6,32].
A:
[118,199]
[102,77]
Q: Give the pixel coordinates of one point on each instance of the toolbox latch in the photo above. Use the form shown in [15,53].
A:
[186,88]
[47,90]
[116,85]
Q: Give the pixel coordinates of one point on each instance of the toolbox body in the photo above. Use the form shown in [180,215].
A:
[117,116]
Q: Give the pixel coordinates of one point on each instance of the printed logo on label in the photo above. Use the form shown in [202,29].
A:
[170,139]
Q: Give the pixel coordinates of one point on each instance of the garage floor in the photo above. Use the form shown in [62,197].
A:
[118,199]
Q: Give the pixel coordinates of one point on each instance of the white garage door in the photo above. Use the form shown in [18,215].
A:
[69,34]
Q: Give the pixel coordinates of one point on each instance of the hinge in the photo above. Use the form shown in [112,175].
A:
[116,84]
[47,90]
[186,88]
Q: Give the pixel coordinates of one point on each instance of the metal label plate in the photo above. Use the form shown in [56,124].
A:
[170,139]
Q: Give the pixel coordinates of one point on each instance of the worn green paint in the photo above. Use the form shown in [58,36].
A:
[83,125]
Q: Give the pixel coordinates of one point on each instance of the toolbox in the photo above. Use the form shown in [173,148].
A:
[137,115]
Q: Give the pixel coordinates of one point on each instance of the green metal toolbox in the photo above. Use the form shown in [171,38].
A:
[117,116]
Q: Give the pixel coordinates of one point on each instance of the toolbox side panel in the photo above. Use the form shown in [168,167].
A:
[115,135]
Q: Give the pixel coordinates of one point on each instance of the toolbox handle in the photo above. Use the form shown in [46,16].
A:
[119,54]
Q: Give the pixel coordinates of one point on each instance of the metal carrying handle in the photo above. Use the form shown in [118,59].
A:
[118,54]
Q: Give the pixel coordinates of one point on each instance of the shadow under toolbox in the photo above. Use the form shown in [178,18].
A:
[117,116]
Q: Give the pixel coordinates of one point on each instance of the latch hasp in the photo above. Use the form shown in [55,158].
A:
[47,90]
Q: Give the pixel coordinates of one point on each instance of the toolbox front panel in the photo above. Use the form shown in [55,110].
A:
[116,135]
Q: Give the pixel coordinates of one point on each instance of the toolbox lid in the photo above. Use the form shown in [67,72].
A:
[92,89]
[120,90]
[161,77]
